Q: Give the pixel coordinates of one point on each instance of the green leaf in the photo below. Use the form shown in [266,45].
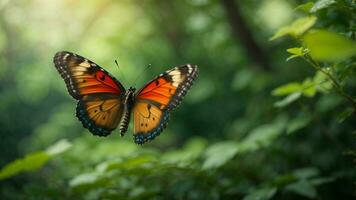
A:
[190,152]
[305,173]
[309,88]
[59,147]
[219,153]
[297,124]
[286,89]
[296,29]
[322,82]
[261,194]
[263,135]
[305,7]
[345,114]
[329,46]
[130,163]
[296,52]
[321,4]
[88,181]
[31,162]
[288,99]
[303,188]
[320,181]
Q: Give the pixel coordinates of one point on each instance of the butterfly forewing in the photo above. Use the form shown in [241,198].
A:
[83,76]
[157,98]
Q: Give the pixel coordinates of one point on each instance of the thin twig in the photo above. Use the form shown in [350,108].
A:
[334,82]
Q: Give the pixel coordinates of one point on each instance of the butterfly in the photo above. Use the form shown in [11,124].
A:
[104,104]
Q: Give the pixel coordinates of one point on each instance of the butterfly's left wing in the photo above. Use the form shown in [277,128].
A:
[98,93]
[157,98]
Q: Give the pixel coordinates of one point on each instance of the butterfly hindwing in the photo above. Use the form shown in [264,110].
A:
[157,98]
[100,113]
[100,95]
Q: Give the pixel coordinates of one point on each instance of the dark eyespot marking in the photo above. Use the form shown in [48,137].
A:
[157,82]
[153,119]
[91,70]
[102,77]
[84,81]
[101,107]
[95,111]
[141,124]
[146,125]
[104,118]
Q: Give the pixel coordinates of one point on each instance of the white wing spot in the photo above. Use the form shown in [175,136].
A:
[190,69]
[65,56]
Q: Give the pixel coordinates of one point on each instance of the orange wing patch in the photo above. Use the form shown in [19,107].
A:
[83,77]
[100,113]
[159,90]
[149,121]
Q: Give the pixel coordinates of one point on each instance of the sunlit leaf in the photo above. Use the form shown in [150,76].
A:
[31,162]
[309,88]
[286,89]
[305,7]
[288,99]
[303,188]
[87,181]
[321,4]
[261,194]
[296,52]
[218,154]
[297,28]
[329,46]
[59,147]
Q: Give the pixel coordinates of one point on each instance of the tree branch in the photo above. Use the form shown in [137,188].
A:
[241,31]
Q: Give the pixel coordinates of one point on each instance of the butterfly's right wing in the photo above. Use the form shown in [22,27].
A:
[100,95]
[157,98]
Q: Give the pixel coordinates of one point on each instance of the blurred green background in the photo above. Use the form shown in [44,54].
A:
[254,126]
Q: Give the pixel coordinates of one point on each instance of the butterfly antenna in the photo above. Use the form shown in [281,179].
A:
[139,76]
[123,76]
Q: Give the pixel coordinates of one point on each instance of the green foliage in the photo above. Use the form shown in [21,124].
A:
[328,46]
[218,154]
[321,4]
[285,131]
[297,28]
[296,52]
[261,194]
[33,161]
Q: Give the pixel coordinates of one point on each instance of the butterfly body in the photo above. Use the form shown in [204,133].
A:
[129,100]
[104,104]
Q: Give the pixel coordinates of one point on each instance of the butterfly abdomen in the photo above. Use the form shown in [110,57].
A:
[128,104]
[125,122]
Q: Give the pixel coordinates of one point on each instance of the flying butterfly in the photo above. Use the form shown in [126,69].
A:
[104,104]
